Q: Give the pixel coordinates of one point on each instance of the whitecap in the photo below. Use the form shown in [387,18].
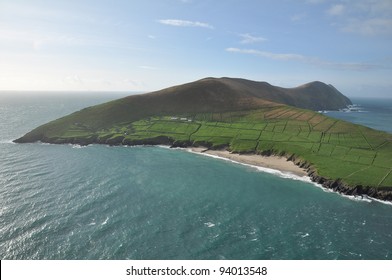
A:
[77,146]
[378,200]
[105,222]
[253,231]
[164,146]
[357,198]
[7,142]
[209,224]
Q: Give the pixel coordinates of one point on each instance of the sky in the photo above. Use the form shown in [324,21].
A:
[129,45]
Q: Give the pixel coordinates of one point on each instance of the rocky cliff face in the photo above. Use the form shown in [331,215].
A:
[340,187]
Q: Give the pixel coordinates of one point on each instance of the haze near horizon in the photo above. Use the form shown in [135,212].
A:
[149,45]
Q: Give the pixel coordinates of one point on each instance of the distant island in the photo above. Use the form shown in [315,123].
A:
[242,117]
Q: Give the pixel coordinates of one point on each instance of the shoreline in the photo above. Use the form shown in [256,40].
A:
[288,169]
[272,162]
[284,167]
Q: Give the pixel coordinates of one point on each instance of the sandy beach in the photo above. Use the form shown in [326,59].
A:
[273,162]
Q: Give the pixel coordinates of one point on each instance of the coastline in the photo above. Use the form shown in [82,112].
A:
[304,172]
[271,162]
[285,167]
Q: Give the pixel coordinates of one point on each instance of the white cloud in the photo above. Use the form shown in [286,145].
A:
[373,26]
[73,79]
[41,13]
[39,40]
[136,84]
[365,17]
[336,10]
[146,67]
[249,39]
[315,1]
[274,56]
[308,60]
[58,40]
[374,8]
[185,23]
[298,17]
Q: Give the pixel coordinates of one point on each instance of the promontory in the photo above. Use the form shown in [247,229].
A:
[242,116]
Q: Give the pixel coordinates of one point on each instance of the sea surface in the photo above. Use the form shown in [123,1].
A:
[375,113]
[100,202]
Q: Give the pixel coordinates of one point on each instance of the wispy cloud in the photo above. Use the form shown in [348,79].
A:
[135,83]
[185,23]
[43,13]
[336,10]
[373,26]
[73,79]
[146,67]
[39,40]
[308,60]
[365,17]
[315,1]
[249,39]
[275,56]
[298,17]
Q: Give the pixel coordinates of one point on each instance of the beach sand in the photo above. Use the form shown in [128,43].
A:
[272,162]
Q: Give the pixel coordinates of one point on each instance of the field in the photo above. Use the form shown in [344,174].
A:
[336,149]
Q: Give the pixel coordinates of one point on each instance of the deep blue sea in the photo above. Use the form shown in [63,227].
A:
[99,202]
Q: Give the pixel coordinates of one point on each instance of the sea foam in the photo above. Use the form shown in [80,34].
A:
[291,176]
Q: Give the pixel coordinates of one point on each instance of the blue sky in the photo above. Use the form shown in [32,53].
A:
[119,45]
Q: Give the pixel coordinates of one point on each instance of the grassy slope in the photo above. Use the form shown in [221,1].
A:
[241,115]
[336,149]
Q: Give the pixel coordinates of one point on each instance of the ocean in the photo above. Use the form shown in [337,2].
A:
[100,202]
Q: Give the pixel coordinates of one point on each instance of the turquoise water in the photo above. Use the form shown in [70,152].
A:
[99,202]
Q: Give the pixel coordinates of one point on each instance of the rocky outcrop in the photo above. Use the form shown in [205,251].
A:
[381,193]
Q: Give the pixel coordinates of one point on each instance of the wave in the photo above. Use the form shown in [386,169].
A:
[209,224]
[379,200]
[288,175]
[105,222]
[356,198]
[282,174]
[77,146]
[168,147]
[7,142]
[355,111]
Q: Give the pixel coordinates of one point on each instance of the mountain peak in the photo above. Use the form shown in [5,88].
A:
[315,95]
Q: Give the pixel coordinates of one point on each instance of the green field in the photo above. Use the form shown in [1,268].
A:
[241,116]
[336,149]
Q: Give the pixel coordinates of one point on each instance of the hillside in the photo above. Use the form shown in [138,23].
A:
[244,117]
[208,95]
[314,96]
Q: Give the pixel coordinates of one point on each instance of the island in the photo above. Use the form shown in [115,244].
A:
[240,116]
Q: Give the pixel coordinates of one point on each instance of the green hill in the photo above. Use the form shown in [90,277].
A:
[245,117]
[208,95]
